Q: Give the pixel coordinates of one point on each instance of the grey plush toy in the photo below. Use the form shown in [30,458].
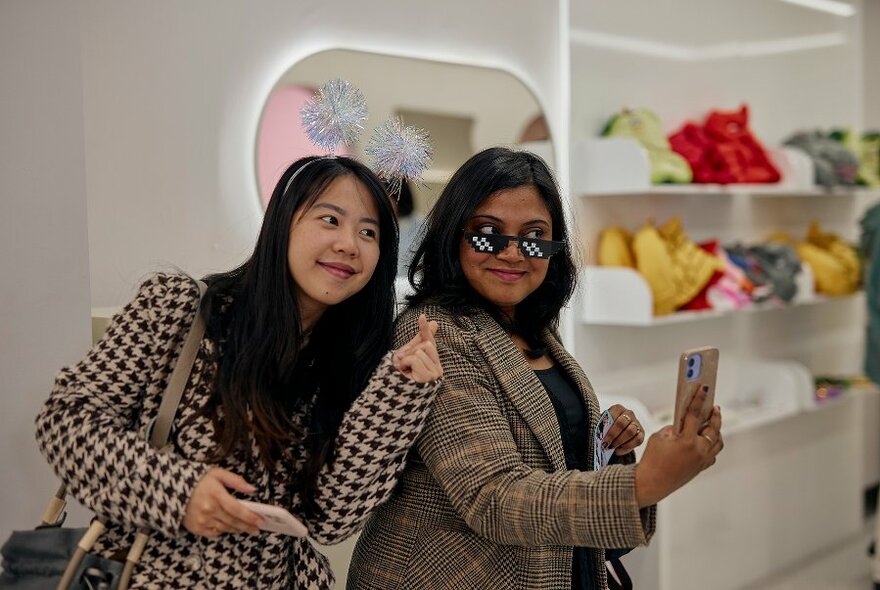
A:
[835,165]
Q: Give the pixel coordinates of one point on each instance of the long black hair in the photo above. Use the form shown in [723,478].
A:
[436,272]
[252,310]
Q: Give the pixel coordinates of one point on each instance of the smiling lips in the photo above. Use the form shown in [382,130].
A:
[337,269]
[508,275]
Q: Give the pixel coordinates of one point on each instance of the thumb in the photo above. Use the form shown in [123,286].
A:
[234,481]
[427,329]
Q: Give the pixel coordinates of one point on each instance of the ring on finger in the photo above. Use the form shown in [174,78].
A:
[628,419]
[709,438]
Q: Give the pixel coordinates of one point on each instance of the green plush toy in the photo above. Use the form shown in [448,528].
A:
[644,126]
[870,157]
[867,150]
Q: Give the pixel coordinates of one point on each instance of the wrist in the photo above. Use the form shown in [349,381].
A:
[647,492]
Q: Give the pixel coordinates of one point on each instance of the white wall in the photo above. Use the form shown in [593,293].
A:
[44,318]
[786,91]
[871,35]
[173,91]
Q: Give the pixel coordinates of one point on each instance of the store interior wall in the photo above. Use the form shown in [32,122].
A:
[44,318]
[871,71]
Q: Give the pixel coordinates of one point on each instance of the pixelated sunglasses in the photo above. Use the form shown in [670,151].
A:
[495,244]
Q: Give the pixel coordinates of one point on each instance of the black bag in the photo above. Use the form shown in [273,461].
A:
[51,556]
[37,560]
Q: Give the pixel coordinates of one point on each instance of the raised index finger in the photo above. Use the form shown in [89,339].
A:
[692,418]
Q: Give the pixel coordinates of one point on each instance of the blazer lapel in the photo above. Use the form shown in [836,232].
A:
[579,380]
[523,388]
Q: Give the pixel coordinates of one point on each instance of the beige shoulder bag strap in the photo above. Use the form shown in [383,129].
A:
[158,432]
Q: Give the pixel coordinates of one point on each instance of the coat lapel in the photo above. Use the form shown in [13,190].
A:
[522,387]
[579,380]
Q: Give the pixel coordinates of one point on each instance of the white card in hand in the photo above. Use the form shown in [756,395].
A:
[601,455]
[277,519]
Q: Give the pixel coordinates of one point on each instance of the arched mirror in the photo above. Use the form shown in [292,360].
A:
[464,109]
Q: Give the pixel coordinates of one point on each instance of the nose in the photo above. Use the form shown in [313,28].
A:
[511,252]
[346,243]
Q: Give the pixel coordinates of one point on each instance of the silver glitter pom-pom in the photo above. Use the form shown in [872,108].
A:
[399,153]
[335,115]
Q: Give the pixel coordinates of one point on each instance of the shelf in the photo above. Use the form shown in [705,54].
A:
[621,297]
[729,190]
[617,166]
[751,392]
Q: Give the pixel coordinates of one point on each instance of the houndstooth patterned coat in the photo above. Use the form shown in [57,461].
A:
[90,430]
[485,500]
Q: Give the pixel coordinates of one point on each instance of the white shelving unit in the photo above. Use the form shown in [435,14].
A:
[621,297]
[744,519]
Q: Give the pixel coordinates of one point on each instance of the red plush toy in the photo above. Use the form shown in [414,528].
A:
[724,150]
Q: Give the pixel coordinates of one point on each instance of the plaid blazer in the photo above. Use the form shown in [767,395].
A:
[485,500]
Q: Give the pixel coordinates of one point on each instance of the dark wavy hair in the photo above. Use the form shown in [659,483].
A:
[436,273]
[252,310]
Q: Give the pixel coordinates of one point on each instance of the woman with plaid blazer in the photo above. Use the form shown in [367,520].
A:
[501,490]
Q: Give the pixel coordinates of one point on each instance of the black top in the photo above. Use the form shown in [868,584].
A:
[573,424]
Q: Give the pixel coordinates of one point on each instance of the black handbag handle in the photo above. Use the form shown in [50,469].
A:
[158,433]
[618,578]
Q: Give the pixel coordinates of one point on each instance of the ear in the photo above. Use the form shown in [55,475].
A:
[744,110]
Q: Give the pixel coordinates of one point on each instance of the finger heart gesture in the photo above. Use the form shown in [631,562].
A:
[418,358]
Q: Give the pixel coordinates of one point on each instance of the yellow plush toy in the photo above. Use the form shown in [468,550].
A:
[615,245]
[675,268]
[836,266]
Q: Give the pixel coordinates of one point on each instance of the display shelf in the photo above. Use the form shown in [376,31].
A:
[621,297]
[751,190]
[619,166]
[751,392]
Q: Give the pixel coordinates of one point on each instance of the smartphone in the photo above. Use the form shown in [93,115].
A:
[277,520]
[697,368]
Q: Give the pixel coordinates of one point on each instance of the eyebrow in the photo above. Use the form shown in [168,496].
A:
[499,220]
[343,212]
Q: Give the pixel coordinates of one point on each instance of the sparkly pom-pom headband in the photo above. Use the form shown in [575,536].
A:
[399,153]
[335,117]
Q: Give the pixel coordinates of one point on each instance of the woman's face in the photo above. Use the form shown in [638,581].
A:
[333,247]
[506,278]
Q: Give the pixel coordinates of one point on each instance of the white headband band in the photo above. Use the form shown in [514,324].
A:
[303,167]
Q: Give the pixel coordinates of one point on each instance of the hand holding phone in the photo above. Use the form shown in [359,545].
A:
[277,520]
[697,369]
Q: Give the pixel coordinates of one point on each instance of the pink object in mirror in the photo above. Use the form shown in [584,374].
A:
[281,138]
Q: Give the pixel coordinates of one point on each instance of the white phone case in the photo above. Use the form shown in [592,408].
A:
[277,519]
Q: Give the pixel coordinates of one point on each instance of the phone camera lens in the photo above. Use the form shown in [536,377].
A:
[690,373]
[691,362]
